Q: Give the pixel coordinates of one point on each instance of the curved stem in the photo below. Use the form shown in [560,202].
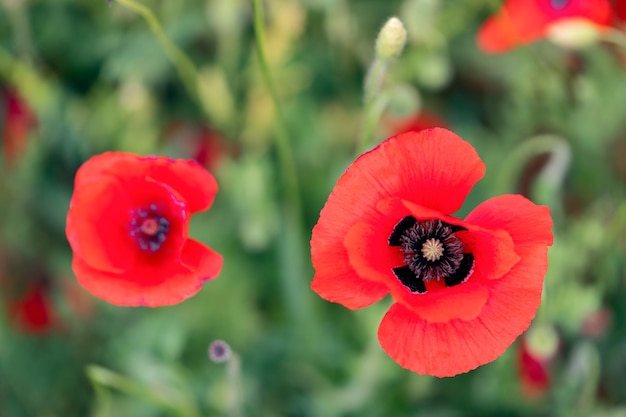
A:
[293,268]
[285,153]
[185,67]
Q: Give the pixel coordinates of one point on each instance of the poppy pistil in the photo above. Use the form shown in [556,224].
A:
[149,228]
[432,251]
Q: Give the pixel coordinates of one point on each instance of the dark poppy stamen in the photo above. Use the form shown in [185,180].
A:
[431,251]
[149,228]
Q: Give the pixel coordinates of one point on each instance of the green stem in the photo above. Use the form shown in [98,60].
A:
[185,67]
[374,103]
[101,377]
[283,146]
[21,28]
[294,272]
[234,385]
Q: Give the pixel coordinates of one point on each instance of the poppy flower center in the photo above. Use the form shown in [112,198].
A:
[149,228]
[432,251]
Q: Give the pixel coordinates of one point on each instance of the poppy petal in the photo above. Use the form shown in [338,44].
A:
[203,260]
[521,22]
[494,251]
[115,164]
[457,346]
[163,287]
[518,22]
[188,178]
[194,183]
[97,227]
[434,168]
[523,220]
[336,281]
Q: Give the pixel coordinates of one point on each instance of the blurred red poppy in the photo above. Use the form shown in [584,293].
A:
[534,372]
[537,351]
[520,22]
[198,142]
[18,120]
[619,7]
[419,121]
[464,290]
[128,228]
[32,312]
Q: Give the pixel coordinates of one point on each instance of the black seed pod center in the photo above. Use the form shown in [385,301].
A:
[432,251]
[149,228]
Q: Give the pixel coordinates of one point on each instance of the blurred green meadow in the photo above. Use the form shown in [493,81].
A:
[182,78]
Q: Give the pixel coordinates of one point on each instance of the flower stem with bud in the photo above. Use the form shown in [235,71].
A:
[389,44]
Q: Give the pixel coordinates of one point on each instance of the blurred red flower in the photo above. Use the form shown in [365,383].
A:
[464,290]
[32,312]
[198,142]
[619,6]
[534,372]
[128,228]
[419,121]
[520,22]
[18,119]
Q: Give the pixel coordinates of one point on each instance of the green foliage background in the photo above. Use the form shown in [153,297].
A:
[548,123]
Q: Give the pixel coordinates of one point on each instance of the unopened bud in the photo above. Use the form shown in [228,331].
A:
[542,341]
[573,33]
[391,39]
[219,351]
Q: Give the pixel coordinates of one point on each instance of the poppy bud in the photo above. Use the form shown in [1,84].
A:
[219,351]
[391,39]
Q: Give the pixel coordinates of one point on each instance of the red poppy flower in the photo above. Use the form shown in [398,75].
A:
[128,223]
[534,372]
[464,290]
[521,22]
[419,121]
[537,352]
[32,312]
[18,119]
[619,7]
[200,143]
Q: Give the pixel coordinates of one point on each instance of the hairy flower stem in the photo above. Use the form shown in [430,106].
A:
[102,379]
[294,269]
[283,146]
[18,18]
[374,103]
[234,399]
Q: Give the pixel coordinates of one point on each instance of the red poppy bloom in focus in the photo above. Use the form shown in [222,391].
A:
[521,22]
[464,290]
[128,224]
